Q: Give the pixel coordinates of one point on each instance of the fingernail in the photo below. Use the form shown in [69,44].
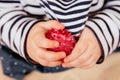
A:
[56,44]
[65,60]
[63,65]
[63,55]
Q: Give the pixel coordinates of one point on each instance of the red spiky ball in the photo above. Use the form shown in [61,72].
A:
[64,37]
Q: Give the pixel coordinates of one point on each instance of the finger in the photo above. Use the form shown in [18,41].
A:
[48,63]
[42,41]
[80,60]
[86,60]
[45,54]
[50,55]
[37,57]
[78,50]
[53,24]
[88,64]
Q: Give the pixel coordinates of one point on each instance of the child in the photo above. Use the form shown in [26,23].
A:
[23,24]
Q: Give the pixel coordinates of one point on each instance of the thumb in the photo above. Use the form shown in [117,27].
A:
[47,43]
[78,50]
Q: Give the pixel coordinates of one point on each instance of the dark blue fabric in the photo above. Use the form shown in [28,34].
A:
[17,67]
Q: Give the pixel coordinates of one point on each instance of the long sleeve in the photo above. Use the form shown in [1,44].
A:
[106,26]
[15,24]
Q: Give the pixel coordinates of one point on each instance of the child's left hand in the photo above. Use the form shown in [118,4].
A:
[86,53]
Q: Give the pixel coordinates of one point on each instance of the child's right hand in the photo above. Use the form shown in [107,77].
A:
[37,44]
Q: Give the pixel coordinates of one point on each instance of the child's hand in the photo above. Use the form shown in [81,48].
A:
[37,44]
[86,52]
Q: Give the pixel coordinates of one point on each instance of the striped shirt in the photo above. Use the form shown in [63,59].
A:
[101,16]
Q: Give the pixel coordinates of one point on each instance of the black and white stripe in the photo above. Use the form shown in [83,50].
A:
[106,26]
[16,19]
[72,15]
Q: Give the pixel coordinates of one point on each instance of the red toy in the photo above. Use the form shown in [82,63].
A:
[64,37]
